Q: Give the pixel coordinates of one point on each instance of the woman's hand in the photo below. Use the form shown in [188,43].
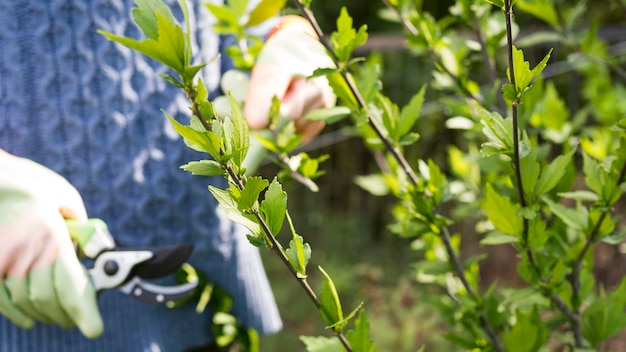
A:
[41,278]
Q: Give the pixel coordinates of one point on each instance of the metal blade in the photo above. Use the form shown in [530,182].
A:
[157,294]
[165,260]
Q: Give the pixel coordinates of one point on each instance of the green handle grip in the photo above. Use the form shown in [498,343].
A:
[81,231]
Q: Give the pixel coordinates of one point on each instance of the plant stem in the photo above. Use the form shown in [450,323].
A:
[558,302]
[406,167]
[574,277]
[276,246]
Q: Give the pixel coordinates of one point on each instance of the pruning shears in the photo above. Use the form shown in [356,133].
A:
[126,269]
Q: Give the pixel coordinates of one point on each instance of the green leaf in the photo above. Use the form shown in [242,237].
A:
[570,217]
[204,168]
[346,38]
[376,184]
[537,234]
[499,132]
[322,344]
[240,137]
[359,338]
[298,252]
[523,74]
[552,174]
[528,334]
[207,142]
[498,238]
[329,115]
[274,207]
[238,6]
[604,317]
[595,175]
[580,195]
[168,47]
[342,90]
[227,21]
[542,9]
[145,16]
[265,10]
[498,3]
[410,113]
[502,213]
[228,203]
[330,304]
[250,193]
[530,169]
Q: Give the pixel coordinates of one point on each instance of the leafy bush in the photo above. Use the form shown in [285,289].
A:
[525,169]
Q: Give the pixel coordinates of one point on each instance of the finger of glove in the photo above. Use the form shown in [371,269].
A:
[303,97]
[77,295]
[266,82]
[286,55]
[43,296]
[18,292]
[11,312]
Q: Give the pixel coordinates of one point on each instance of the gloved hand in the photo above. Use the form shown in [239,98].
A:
[292,52]
[41,278]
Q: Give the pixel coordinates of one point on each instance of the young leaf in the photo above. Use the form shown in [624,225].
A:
[240,137]
[570,217]
[530,170]
[238,6]
[298,252]
[265,10]
[502,213]
[359,338]
[523,74]
[250,194]
[322,344]
[330,305]
[595,175]
[605,316]
[342,90]
[228,203]
[204,168]
[227,19]
[274,206]
[329,115]
[168,47]
[499,132]
[552,174]
[207,142]
[346,39]
[528,334]
[542,9]
[498,238]
[410,113]
[145,16]
[498,3]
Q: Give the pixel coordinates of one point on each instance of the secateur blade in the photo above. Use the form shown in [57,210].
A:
[165,260]
[157,294]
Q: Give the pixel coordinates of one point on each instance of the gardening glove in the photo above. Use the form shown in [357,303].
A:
[41,278]
[292,52]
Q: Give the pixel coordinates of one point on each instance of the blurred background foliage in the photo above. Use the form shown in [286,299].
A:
[347,226]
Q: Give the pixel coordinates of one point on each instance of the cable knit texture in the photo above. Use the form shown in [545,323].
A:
[89,109]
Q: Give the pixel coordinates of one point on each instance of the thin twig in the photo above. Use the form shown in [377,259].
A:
[558,302]
[276,246]
[591,240]
[403,163]
[357,94]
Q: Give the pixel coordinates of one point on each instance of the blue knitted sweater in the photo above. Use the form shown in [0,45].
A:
[89,109]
